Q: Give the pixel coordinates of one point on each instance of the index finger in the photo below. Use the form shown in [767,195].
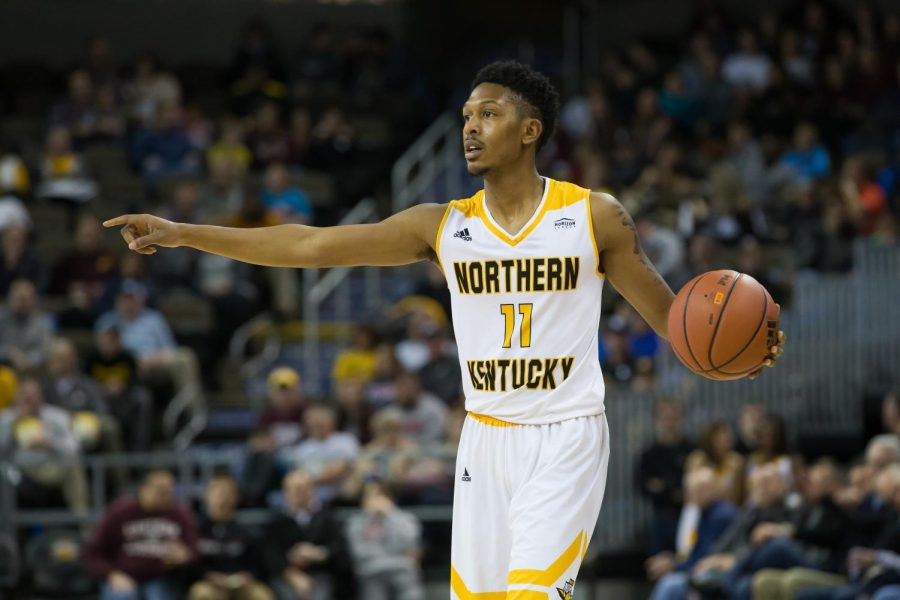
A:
[120,220]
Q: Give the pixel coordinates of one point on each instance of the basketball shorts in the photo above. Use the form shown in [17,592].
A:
[525,505]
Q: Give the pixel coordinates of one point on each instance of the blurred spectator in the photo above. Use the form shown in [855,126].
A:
[143,542]
[412,351]
[229,562]
[14,184]
[326,454]
[26,331]
[223,193]
[716,451]
[39,441]
[9,384]
[664,247]
[164,150]
[305,554]
[256,49]
[77,394]
[715,515]
[616,360]
[63,174]
[866,201]
[357,361]
[713,574]
[773,449]
[230,146]
[813,540]
[147,336]
[890,412]
[354,413]
[253,213]
[283,415]
[752,261]
[748,426]
[101,64]
[290,203]
[807,158]
[388,457]
[20,261]
[748,67]
[441,375]
[150,90]
[317,62]
[333,141]
[299,136]
[660,475]
[116,371]
[424,415]
[385,543]
[83,271]
[268,141]
[111,126]
[380,390]
[77,111]
[14,177]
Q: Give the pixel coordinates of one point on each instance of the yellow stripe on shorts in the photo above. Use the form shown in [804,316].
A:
[492,421]
[551,574]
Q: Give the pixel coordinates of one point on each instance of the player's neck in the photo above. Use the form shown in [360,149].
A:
[510,193]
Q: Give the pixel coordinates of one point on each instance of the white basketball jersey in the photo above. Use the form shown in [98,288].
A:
[526,307]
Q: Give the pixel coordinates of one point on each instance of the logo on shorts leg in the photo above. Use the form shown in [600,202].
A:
[567,591]
[465,475]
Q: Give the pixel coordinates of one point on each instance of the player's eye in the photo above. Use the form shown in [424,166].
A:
[466,118]
[487,113]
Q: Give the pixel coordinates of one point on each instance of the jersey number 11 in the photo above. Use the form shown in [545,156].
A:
[509,314]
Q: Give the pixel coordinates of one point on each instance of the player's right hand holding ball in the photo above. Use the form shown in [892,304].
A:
[723,325]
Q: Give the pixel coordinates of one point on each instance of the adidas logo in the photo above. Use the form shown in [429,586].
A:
[463,234]
[465,475]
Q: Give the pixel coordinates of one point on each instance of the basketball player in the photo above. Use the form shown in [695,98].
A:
[525,260]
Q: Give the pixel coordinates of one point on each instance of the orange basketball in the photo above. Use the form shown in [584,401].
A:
[722,324]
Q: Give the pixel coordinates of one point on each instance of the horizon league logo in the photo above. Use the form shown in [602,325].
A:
[564,223]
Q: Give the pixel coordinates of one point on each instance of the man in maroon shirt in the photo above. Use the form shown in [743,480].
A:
[141,541]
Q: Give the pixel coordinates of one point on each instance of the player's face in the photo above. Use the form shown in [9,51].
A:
[494,129]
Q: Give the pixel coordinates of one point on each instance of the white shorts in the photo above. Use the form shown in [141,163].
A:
[525,505]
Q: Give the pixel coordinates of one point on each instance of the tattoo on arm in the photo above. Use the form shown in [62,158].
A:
[628,223]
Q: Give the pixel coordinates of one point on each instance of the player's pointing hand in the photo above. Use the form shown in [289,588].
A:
[143,232]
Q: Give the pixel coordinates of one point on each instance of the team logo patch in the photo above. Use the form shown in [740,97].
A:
[567,592]
[463,234]
[564,223]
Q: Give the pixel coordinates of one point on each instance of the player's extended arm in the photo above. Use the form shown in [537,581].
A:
[625,264]
[403,238]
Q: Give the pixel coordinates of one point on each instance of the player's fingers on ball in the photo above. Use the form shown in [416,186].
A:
[782,337]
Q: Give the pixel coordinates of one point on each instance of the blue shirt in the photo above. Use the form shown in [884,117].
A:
[290,202]
[145,335]
[810,164]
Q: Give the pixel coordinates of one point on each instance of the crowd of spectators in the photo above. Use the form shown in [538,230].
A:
[739,517]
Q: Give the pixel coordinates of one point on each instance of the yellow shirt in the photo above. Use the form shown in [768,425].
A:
[354,364]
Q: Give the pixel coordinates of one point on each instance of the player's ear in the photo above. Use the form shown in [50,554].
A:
[531,130]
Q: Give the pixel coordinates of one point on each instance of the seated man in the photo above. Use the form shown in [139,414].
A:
[305,552]
[83,399]
[146,334]
[115,370]
[26,331]
[228,558]
[814,540]
[716,515]
[142,542]
[384,542]
[42,445]
[326,454]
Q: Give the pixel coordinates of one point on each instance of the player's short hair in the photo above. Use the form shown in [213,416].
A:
[532,87]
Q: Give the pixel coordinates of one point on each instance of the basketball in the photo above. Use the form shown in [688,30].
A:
[722,324]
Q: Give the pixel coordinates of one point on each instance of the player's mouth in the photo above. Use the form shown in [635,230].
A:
[473,149]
